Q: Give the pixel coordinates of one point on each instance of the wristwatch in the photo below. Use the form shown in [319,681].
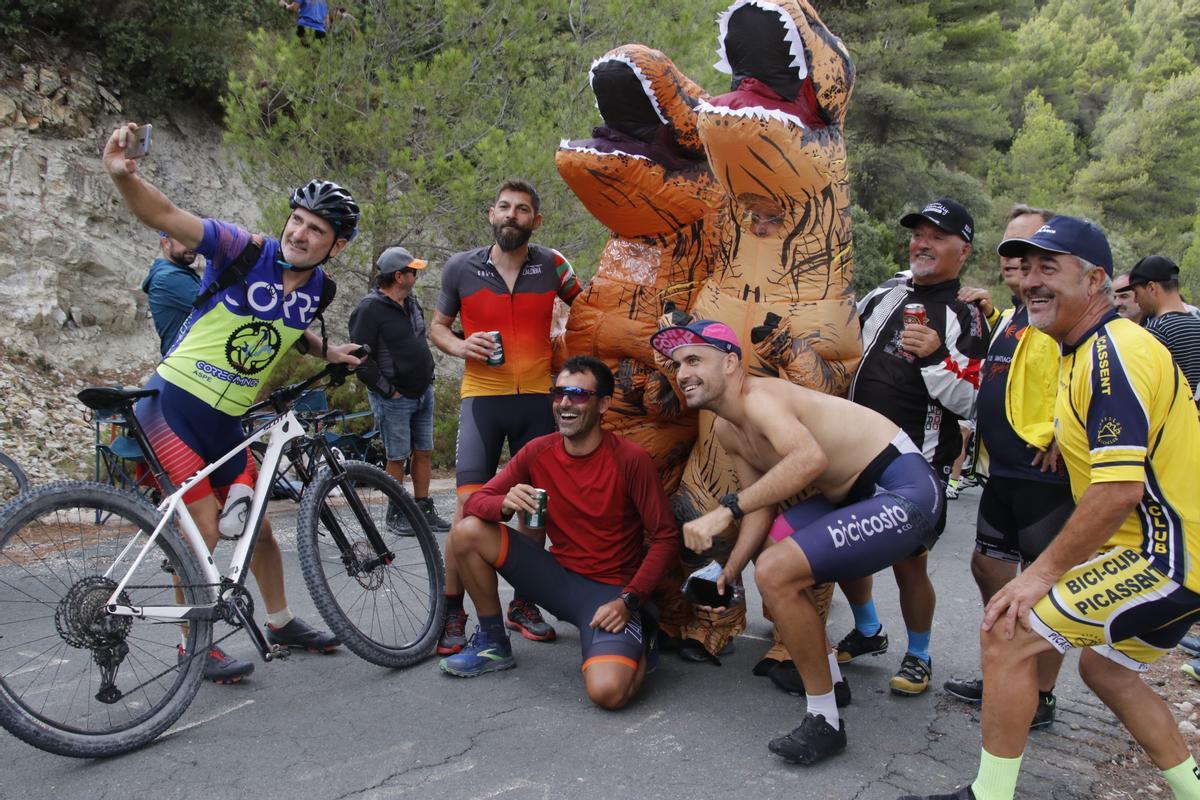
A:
[632,601]
[730,501]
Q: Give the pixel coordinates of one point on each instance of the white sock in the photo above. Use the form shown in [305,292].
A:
[835,670]
[280,618]
[826,706]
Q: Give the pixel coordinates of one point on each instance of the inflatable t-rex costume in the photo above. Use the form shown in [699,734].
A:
[783,276]
[643,175]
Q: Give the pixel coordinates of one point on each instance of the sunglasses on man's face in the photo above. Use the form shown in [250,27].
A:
[407,271]
[573,394]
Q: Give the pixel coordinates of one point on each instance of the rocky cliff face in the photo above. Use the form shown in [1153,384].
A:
[72,258]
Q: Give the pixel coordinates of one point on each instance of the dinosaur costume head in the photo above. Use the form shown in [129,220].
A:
[775,143]
[643,174]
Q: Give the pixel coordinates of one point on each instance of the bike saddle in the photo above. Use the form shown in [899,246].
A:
[108,398]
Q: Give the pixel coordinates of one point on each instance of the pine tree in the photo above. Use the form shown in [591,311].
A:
[1145,176]
[1041,163]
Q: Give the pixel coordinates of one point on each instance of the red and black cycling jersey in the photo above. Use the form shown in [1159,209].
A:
[926,396]
[472,287]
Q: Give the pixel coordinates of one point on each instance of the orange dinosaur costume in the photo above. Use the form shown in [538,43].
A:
[783,276]
[643,175]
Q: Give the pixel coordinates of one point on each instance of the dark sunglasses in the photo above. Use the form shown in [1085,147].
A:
[407,271]
[575,394]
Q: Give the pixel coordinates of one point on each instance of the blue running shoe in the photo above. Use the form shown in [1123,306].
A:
[479,656]
[1190,644]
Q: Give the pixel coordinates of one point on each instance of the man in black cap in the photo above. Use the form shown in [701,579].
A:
[399,375]
[1155,284]
[923,376]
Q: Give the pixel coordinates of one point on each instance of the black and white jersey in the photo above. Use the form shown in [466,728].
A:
[926,396]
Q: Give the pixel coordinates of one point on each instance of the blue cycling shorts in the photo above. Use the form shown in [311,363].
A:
[188,434]
[536,576]
[891,513]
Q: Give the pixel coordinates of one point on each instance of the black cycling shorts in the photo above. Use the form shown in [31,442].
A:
[1018,518]
[484,423]
[536,576]
[889,515]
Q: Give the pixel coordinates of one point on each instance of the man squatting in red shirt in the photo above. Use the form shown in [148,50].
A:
[603,495]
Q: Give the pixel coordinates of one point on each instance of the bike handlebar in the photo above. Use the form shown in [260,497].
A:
[281,398]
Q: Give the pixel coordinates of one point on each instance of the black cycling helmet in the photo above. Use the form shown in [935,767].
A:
[331,203]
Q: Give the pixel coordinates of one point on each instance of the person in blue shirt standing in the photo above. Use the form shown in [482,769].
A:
[171,284]
[311,14]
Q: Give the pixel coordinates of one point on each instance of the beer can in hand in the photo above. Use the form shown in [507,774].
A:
[914,314]
[537,520]
[497,356]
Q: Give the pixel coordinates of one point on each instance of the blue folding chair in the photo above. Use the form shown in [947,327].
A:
[118,457]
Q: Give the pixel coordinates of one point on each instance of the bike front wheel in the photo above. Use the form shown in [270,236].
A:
[75,680]
[386,610]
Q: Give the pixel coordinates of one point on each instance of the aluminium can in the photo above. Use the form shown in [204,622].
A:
[914,314]
[497,356]
[537,520]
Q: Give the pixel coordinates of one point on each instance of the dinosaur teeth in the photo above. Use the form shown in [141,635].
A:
[754,112]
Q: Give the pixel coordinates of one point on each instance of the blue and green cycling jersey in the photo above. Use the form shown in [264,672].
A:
[227,347]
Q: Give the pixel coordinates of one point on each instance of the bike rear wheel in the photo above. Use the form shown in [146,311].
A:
[74,680]
[388,613]
[13,480]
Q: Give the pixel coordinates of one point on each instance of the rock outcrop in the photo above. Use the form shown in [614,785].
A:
[72,258]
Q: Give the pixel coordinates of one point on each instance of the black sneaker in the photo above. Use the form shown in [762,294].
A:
[969,690]
[220,668]
[913,676]
[1044,716]
[436,523]
[526,617]
[855,645]
[787,677]
[813,741]
[964,793]
[302,636]
[454,633]
[397,524]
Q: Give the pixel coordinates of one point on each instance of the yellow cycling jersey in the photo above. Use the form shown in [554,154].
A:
[1125,413]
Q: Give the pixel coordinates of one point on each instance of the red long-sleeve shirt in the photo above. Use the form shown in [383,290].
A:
[597,508]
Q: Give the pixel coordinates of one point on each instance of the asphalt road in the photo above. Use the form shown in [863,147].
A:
[326,727]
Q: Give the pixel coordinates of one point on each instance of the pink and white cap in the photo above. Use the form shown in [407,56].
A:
[706,332]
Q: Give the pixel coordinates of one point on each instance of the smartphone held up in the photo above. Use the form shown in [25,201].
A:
[137,142]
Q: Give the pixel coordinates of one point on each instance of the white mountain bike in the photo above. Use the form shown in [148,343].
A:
[107,605]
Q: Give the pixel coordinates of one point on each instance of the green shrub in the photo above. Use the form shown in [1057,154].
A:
[446,402]
[150,50]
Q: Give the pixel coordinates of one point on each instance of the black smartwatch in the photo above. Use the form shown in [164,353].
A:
[632,601]
[730,501]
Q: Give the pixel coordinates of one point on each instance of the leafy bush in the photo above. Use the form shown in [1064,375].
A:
[151,50]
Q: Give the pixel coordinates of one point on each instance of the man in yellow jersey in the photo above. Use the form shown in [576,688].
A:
[1121,578]
[225,350]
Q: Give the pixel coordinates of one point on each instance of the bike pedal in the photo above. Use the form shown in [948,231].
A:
[278,652]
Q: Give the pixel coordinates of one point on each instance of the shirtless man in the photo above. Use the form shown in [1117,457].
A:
[873,500]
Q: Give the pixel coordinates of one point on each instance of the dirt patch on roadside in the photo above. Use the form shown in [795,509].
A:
[1129,774]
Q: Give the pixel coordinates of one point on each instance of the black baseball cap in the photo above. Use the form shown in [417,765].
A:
[395,259]
[1153,268]
[1070,235]
[947,214]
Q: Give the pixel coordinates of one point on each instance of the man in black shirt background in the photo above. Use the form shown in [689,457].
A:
[399,374]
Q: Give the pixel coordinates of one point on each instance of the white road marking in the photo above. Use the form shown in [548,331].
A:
[210,718]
